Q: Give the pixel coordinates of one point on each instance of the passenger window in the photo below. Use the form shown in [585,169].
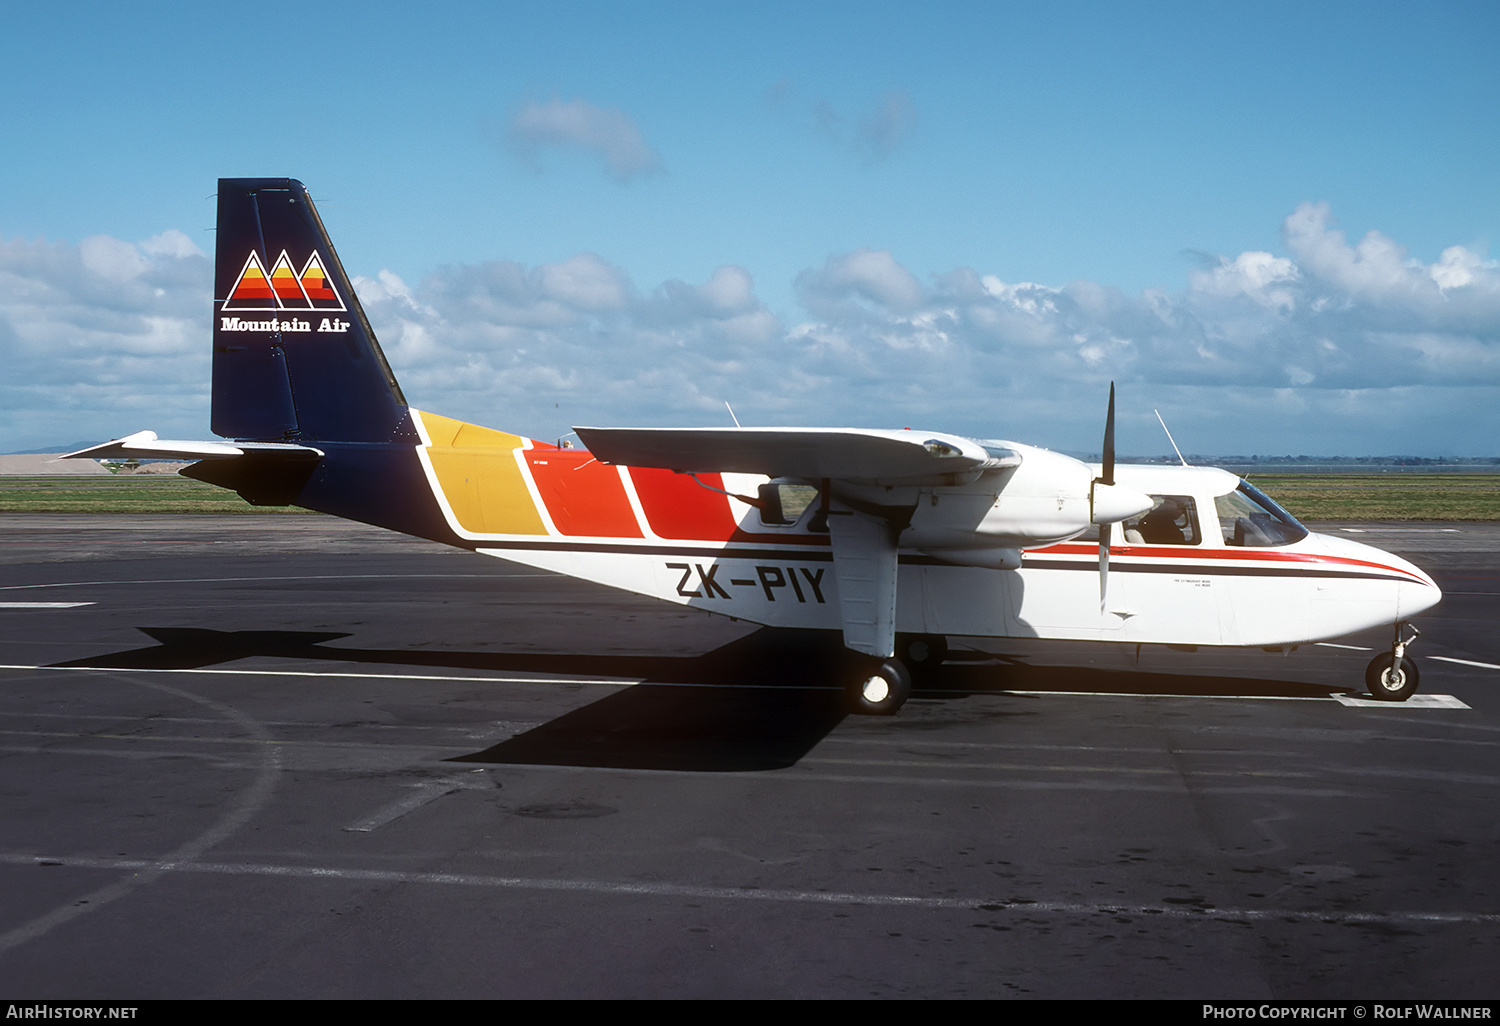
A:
[1171,520]
[782,503]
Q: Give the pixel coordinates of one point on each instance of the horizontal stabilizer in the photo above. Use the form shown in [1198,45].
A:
[847,453]
[144,445]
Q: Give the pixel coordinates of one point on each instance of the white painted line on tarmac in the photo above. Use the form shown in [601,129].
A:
[1126,694]
[1465,662]
[302,577]
[626,682]
[1352,648]
[617,682]
[1414,702]
[240,810]
[621,888]
[43,605]
[1402,530]
[427,792]
[623,682]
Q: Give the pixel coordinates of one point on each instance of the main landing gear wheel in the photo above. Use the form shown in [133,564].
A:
[1390,681]
[882,690]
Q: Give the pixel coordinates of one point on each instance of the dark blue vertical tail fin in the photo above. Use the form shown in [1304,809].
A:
[295,359]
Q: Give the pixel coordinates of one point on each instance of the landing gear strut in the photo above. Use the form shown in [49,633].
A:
[1392,676]
[882,690]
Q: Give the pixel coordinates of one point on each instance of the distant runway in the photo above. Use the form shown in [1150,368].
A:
[267,756]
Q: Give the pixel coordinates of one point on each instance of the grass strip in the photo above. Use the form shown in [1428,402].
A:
[1385,496]
[124,493]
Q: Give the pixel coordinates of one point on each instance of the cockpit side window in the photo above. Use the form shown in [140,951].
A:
[1249,517]
[782,503]
[1171,520]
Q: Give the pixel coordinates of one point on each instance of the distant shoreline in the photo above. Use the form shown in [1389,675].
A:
[1246,469]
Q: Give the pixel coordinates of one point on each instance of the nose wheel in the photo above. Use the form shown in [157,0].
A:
[1392,676]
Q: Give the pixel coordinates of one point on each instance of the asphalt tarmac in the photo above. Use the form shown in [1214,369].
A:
[289,757]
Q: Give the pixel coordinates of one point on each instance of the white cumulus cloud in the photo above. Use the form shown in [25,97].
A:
[867,274]
[1328,347]
[97,338]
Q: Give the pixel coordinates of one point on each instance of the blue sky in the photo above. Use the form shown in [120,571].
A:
[968,217]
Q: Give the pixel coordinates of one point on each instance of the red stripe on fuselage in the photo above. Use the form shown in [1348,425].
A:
[1194,553]
[678,507]
[584,498]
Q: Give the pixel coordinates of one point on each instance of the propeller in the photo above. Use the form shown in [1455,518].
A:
[1110,503]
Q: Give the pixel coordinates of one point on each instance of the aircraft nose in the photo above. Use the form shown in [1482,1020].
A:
[1418,592]
[1414,597]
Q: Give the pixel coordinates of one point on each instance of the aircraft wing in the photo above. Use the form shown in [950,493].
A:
[846,453]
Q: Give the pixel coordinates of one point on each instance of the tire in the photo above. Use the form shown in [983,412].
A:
[1388,684]
[881,690]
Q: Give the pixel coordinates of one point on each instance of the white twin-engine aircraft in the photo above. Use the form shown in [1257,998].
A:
[902,540]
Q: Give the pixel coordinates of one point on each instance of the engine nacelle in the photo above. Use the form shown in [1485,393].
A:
[1050,498]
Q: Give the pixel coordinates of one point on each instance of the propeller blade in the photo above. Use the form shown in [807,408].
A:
[1104,532]
[1108,500]
[1108,476]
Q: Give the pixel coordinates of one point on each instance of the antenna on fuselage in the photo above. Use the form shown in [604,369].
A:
[731,413]
[1169,436]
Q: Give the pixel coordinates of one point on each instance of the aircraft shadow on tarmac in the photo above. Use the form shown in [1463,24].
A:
[760,702]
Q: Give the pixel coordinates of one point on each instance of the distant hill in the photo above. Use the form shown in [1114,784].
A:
[53,449]
[28,464]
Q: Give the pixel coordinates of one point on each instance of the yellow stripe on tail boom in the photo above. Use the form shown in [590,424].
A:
[476,469]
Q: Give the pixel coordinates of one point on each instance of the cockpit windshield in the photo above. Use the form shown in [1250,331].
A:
[1251,518]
